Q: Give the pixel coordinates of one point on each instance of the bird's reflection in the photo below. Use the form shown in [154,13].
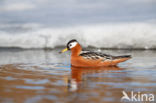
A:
[77,74]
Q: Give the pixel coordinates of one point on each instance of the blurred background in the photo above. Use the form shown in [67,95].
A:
[101,23]
[32,32]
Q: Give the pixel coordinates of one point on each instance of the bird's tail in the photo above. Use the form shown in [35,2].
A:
[123,56]
[118,59]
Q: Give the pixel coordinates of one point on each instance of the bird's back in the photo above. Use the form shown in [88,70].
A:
[93,59]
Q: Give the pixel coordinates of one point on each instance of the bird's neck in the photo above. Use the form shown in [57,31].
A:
[76,50]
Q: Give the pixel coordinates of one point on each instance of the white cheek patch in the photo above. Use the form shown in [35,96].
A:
[73,44]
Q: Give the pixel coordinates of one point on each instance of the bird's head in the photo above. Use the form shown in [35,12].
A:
[70,45]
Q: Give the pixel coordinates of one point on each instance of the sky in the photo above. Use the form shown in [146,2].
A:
[76,12]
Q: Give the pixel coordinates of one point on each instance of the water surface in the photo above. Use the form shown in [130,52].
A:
[39,76]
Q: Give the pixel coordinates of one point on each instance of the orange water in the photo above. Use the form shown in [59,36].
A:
[46,82]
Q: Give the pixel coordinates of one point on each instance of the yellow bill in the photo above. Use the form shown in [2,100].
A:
[64,50]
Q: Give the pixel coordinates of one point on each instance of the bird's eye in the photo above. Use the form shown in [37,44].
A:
[70,45]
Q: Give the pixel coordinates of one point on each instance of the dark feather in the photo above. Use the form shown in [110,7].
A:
[103,57]
[95,55]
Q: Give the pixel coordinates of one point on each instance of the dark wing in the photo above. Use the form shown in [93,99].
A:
[95,55]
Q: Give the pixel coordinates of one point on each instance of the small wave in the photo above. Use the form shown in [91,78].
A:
[115,35]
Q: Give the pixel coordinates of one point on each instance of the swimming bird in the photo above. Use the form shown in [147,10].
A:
[80,58]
